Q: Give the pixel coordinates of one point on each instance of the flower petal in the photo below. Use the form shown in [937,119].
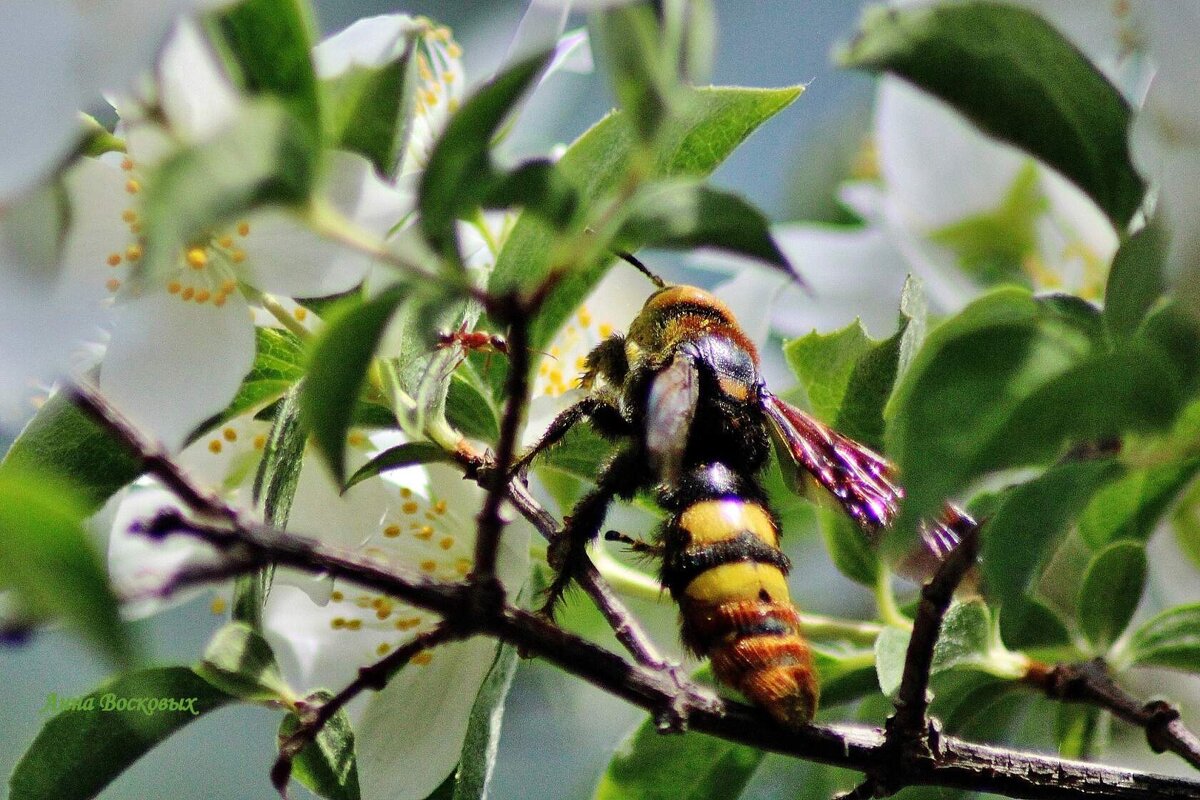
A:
[38,89]
[938,168]
[284,256]
[172,364]
[368,42]
[196,94]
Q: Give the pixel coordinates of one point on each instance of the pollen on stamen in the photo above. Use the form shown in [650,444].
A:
[353,624]
[454,50]
[174,286]
[230,434]
[605,330]
[424,532]
[113,260]
[260,441]
[219,300]
[391,531]
[428,565]
[188,293]
[228,285]
[127,164]
[462,566]
[408,623]
[203,296]
[243,229]
[440,507]
[452,105]
[132,186]
[300,314]
[405,492]
[218,605]
[337,623]
[129,215]
[237,256]
[446,543]
[225,241]
[214,446]
[197,258]
[133,252]
[337,596]
[112,284]
[430,97]
[383,648]
[410,507]
[585,316]
[422,658]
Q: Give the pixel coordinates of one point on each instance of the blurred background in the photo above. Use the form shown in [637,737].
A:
[558,733]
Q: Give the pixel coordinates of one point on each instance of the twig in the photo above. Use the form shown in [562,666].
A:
[912,698]
[373,677]
[490,524]
[1091,683]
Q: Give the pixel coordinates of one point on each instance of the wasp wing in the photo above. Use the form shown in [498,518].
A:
[670,409]
[860,480]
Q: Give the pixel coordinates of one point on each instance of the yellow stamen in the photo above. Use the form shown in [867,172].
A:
[133,252]
[243,229]
[114,259]
[391,531]
[217,606]
[214,446]
[132,186]
[112,284]
[197,258]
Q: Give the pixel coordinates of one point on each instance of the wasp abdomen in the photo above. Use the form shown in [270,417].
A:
[723,565]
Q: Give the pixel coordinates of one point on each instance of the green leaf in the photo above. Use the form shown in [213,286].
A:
[849,547]
[470,409]
[268,47]
[398,457]
[988,389]
[264,156]
[460,174]
[1131,506]
[1077,729]
[1023,531]
[239,662]
[1170,639]
[685,215]
[50,563]
[964,640]
[691,766]
[636,58]
[327,765]
[279,360]
[283,455]
[1172,333]
[537,186]
[824,362]
[1016,77]
[1111,590]
[366,110]
[845,676]
[1135,281]
[63,442]
[713,123]
[84,747]
[1186,523]
[890,650]
[337,372]
[483,728]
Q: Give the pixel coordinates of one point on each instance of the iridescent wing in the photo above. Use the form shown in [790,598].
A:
[862,481]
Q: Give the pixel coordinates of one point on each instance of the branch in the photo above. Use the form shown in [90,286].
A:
[1091,683]
[372,677]
[490,524]
[958,764]
[912,699]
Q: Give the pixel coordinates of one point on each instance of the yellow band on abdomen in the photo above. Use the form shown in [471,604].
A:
[717,520]
[742,580]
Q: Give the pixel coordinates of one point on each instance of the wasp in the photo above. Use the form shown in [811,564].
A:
[682,394]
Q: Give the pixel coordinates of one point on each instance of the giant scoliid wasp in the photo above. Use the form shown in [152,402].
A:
[683,396]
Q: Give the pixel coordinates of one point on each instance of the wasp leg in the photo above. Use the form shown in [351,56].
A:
[600,410]
[621,477]
[639,546]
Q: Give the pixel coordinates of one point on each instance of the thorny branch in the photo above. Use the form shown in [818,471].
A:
[468,612]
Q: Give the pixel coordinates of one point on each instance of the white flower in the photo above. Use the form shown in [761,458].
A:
[963,211]
[56,57]
[182,341]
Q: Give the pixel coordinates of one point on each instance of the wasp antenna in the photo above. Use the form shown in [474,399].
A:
[642,268]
